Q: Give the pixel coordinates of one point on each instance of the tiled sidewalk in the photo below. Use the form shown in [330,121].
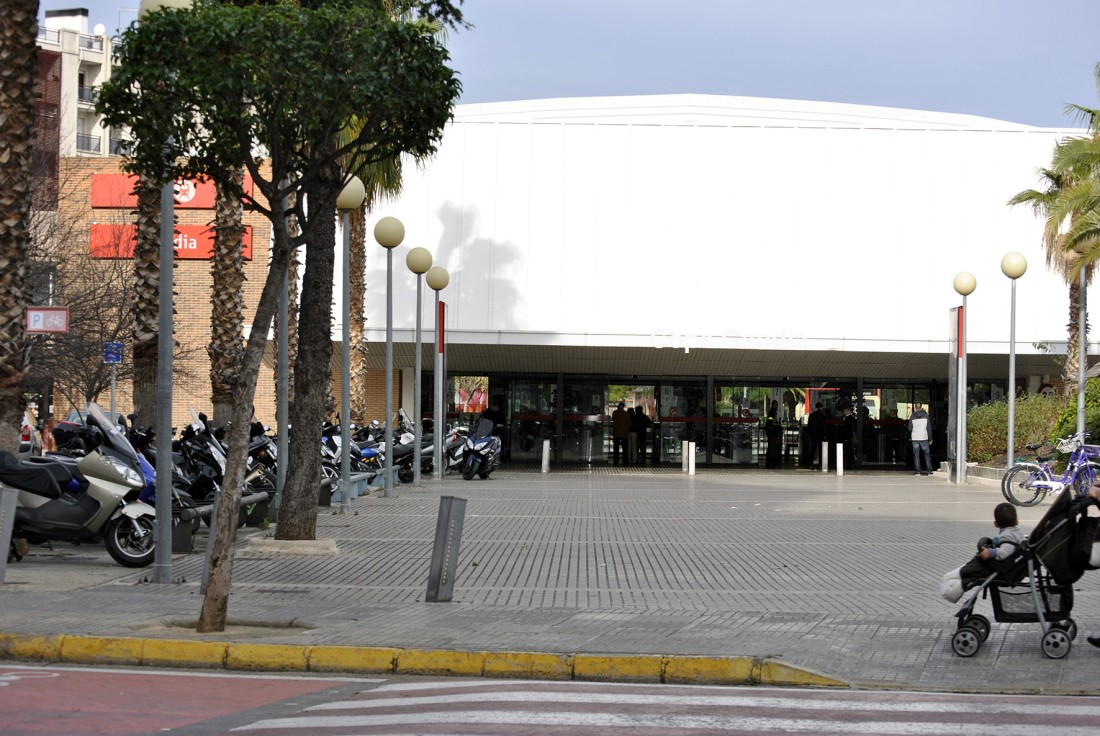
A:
[828,575]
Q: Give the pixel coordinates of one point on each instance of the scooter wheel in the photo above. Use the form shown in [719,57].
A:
[130,541]
[470,470]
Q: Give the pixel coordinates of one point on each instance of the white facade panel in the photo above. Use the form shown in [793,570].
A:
[671,231]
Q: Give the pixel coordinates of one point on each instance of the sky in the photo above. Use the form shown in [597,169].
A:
[1015,60]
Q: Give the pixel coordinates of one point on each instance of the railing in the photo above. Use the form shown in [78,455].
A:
[93,43]
[87,143]
[119,147]
[86,94]
[50,35]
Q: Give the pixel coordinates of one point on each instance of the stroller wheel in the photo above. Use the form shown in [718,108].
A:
[1056,643]
[980,624]
[966,641]
[1069,626]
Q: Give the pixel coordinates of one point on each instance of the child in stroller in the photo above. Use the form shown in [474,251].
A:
[1034,584]
[996,554]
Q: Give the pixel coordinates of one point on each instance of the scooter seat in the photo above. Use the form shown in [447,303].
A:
[41,479]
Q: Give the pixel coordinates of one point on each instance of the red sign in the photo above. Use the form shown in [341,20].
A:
[117,191]
[194,242]
[47,319]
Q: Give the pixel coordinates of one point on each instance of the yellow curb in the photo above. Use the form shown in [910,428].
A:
[352,659]
[777,673]
[638,668]
[439,662]
[711,670]
[99,650]
[46,648]
[184,653]
[528,664]
[266,657]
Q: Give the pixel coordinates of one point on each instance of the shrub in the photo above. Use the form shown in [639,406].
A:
[1037,420]
[1067,420]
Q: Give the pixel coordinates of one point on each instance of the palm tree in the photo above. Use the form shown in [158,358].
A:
[226,346]
[1047,203]
[18,29]
[145,300]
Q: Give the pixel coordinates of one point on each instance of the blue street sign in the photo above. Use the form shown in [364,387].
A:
[112,352]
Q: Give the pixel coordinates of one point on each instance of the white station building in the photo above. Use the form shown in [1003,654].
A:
[705,251]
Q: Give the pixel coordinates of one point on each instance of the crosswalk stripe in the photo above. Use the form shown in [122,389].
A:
[656,722]
[740,701]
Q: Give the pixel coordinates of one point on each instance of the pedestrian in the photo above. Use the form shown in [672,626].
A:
[631,439]
[848,437]
[816,424]
[920,434]
[773,431]
[620,432]
[639,427]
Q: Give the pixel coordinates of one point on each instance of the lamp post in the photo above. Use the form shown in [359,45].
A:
[438,278]
[389,232]
[351,197]
[964,284]
[162,532]
[419,260]
[1013,265]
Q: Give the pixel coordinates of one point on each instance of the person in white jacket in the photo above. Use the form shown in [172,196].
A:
[920,433]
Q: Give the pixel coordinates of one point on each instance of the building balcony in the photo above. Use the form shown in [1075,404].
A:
[92,43]
[119,147]
[88,143]
[87,95]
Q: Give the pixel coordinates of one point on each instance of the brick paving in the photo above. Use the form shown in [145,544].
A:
[833,575]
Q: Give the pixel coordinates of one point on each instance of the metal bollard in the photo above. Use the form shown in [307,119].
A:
[824,456]
[839,458]
[683,456]
[691,458]
[448,537]
[546,456]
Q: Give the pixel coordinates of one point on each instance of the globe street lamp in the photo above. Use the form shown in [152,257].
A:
[419,260]
[1013,265]
[964,284]
[438,278]
[162,531]
[389,232]
[351,197]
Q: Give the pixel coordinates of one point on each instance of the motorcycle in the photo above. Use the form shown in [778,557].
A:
[482,452]
[91,498]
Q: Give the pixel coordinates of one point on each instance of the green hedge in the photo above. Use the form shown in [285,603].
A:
[1038,419]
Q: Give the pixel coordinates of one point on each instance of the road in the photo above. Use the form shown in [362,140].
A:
[93,701]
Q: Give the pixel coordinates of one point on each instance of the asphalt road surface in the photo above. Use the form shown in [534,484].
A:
[92,701]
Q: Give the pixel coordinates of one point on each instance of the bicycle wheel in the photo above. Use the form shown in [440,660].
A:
[1018,484]
[1083,479]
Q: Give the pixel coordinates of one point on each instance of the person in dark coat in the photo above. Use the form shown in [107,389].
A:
[816,426]
[639,426]
[773,430]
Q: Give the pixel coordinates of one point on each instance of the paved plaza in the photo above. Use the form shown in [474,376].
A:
[834,577]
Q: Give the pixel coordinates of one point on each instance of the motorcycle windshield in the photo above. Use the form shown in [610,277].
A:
[113,439]
[484,429]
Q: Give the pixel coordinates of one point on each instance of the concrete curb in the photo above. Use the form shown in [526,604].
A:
[71,649]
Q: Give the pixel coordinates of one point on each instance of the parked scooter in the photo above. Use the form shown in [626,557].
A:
[91,498]
[482,451]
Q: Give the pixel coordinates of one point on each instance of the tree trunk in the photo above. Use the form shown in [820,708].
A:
[215,604]
[227,301]
[292,308]
[312,372]
[145,303]
[357,281]
[19,56]
[1073,341]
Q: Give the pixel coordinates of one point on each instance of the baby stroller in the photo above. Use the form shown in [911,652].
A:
[1044,596]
